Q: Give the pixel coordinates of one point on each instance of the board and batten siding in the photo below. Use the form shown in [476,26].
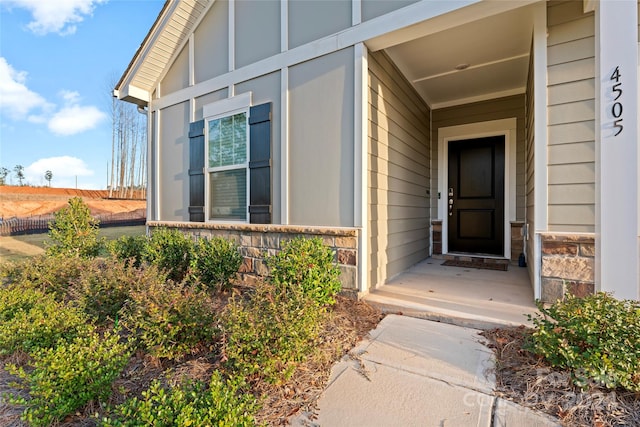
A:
[571,117]
[483,111]
[173,163]
[321,152]
[398,172]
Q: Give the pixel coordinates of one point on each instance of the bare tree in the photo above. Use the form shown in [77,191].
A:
[48,175]
[3,175]
[19,170]
[128,148]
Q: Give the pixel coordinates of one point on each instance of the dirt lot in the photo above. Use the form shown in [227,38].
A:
[28,201]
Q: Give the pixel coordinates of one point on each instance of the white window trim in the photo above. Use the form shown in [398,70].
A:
[217,110]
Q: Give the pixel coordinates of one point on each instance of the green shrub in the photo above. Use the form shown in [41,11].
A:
[597,337]
[266,335]
[172,251]
[103,289]
[68,376]
[31,319]
[74,232]
[47,273]
[131,248]
[310,264]
[223,404]
[169,319]
[215,262]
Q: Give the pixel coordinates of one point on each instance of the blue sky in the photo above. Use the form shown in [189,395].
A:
[58,62]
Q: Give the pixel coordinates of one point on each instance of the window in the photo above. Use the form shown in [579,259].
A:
[230,162]
[227,146]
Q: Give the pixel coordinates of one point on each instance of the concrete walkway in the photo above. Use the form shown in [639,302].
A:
[416,372]
[464,296]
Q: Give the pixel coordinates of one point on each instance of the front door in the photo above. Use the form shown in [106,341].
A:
[475,196]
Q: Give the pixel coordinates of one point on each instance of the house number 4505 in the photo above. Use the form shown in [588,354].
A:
[616,108]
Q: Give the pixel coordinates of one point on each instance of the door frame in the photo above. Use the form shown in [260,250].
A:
[504,127]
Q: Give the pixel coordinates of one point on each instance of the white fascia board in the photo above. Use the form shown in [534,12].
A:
[365,32]
[149,43]
[132,93]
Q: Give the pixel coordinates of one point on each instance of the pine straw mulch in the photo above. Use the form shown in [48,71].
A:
[348,322]
[526,379]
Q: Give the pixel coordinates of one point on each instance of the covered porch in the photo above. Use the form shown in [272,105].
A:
[463,82]
[477,298]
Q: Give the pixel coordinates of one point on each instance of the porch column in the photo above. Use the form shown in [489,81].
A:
[617,148]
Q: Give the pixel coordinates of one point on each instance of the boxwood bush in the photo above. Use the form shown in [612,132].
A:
[169,319]
[66,377]
[32,320]
[597,337]
[309,264]
[223,403]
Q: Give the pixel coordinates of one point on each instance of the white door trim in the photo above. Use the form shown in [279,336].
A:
[506,127]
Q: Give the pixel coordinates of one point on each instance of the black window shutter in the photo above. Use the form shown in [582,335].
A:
[196,171]
[260,164]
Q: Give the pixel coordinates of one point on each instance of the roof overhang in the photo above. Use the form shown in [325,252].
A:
[167,35]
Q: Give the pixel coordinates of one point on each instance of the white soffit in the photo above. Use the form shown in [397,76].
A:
[166,36]
[495,50]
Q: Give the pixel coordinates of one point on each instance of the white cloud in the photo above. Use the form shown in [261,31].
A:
[74,118]
[65,170]
[16,99]
[55,16]
[19,102]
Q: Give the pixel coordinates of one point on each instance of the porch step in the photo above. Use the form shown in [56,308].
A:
[470,314]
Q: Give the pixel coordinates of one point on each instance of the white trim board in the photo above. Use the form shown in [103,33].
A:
[506,127]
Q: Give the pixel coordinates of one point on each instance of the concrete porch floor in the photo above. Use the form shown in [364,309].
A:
[468,297]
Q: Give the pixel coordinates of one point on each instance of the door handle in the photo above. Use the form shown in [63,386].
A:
[450,201]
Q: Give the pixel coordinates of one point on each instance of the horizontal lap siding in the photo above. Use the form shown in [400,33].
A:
[529,167]
[398,172]
[494,109]
[571,117]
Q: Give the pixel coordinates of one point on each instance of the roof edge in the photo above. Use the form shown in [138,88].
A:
[156,24]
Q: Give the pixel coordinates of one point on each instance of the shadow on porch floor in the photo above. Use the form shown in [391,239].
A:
[469,297]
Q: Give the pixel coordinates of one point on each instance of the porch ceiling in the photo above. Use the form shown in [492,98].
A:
[495,50]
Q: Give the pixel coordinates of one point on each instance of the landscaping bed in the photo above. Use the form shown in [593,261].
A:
[159,332]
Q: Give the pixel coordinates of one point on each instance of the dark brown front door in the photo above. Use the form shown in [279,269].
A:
[475,196]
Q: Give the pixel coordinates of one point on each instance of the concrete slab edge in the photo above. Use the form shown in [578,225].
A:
[473,323]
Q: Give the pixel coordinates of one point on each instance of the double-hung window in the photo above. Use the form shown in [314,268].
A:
[226,177]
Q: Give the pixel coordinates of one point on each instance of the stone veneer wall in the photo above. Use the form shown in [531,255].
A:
[517,240]
[436,236]
[568,261]
[257,241]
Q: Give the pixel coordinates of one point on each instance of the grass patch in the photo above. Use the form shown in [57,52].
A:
[20,248]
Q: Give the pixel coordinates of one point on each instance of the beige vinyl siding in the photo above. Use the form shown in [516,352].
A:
[257,31]
[530,169]
[321,151]
[398,172]
[178,75]
[311,20]
[209,98]
[211,43]
[173,159]
[571,117]
[493,109]
[374,8]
